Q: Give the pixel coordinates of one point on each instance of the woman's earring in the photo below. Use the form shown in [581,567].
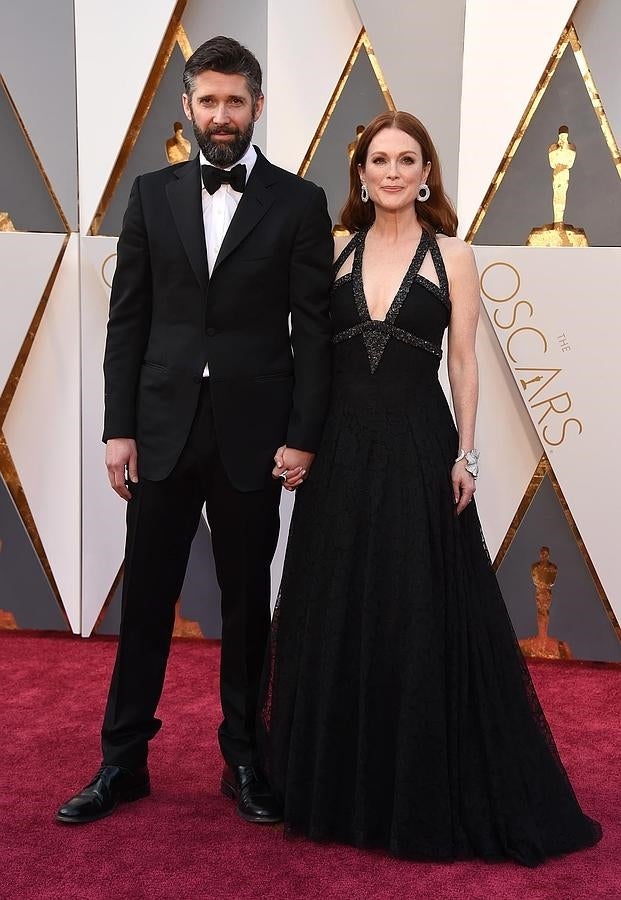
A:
[423,193]
[364,193]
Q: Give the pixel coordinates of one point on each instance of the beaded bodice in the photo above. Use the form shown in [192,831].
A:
[421,328]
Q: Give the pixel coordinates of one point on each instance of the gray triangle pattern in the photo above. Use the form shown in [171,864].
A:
[523,200]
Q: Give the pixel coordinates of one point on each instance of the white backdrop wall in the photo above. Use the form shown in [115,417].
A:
[469,68]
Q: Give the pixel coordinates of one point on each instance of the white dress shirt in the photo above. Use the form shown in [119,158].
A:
[219,208]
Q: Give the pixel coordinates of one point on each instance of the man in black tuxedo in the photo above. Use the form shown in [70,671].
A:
[203,384]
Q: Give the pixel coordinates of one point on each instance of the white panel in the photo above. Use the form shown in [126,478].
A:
[26,262]
[116,45]
[510,448]
[407,48]
[598,25]
[562,334]
[103,512]
[42,430]
[506,49]
[308,45]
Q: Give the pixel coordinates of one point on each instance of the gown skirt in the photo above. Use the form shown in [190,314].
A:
[397,711]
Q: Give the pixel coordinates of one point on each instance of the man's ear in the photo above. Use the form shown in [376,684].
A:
[258,107]
[186,106]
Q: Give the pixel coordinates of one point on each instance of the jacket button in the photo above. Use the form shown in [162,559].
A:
[211,332]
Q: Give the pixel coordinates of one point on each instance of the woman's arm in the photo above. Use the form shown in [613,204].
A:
[462,361]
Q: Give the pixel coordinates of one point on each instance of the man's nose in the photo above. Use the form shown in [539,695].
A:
[221,114]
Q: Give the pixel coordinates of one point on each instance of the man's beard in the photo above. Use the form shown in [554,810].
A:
[223,154]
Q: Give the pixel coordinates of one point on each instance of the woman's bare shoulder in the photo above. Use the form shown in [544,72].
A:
[340,242]
[454,247]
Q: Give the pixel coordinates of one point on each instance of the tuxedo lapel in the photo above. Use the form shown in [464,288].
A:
[184,197]
[255,202]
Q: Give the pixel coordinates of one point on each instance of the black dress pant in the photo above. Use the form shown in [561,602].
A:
[162,519]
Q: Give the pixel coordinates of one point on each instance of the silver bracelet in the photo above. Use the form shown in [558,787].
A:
[472,461]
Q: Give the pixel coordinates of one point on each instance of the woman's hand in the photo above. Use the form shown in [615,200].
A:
[464,486]
[292,466]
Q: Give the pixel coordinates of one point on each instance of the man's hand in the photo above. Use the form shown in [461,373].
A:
[121,453]
[296,465]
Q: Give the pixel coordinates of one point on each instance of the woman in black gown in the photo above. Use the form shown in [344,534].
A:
[397,711]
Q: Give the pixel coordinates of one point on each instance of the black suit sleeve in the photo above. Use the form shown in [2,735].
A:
[128,323]
[310,278]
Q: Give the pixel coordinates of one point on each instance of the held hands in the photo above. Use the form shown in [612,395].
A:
[464,486]
[292,466]
[122,455]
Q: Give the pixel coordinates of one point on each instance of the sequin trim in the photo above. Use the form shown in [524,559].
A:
[376,334]
[342,280]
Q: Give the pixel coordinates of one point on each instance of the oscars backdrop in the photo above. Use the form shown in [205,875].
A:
[523,101]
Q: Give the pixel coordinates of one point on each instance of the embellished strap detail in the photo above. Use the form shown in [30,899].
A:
[346,251]
[376,334]
[441,273]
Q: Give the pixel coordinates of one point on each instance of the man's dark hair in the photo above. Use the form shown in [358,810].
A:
[225,55]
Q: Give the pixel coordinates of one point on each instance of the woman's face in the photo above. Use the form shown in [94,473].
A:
[394,169]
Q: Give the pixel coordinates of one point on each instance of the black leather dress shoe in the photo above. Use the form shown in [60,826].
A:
[110,786]
[255,802]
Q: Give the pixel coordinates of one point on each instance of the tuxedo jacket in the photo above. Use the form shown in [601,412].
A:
[169,316]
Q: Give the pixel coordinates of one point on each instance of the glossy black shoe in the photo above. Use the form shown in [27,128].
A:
[255,802]
[110,786]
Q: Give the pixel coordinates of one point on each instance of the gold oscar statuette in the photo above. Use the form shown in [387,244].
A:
[185,628]
[340,230]
[178,147]
[562,155]
[5,222]
[542,646]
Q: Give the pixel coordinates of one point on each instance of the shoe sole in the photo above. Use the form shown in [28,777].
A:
[231,792]
[129,797]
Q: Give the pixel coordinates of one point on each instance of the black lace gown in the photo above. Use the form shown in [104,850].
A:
[397,711]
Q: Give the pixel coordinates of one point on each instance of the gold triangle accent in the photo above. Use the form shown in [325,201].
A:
[361,41]
[7,467]
[174,34]
[544,468]
[11,478]
[35,156]
[568,38]
[529,494]
[106,604]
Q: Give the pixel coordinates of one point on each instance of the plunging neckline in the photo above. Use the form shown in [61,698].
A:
[404,288]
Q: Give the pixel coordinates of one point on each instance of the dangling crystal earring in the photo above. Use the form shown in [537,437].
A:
[423,193]
[364,193]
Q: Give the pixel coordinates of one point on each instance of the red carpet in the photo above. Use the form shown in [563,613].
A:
[185,841]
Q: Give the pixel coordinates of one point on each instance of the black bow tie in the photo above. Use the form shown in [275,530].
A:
[213,178]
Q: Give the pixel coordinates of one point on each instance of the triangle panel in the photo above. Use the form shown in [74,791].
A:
[506,49]
[26,598]
[306,55]
[103,512]
[106,105]
[49,118]
[553,602]
[598,25]
[25,200]
[360,100]
[149,152]
[523,200]
[26,263]
[42,431]
[408,49]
